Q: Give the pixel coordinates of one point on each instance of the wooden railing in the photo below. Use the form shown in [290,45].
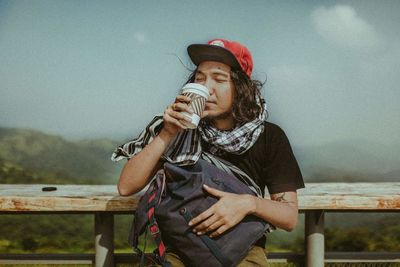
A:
[104,202]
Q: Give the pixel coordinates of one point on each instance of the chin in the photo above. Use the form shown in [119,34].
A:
[215,115]
[212,113]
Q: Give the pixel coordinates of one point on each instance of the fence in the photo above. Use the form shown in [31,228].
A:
[104,202]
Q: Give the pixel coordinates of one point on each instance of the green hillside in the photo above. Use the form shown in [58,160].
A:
[29,156]
[32,157]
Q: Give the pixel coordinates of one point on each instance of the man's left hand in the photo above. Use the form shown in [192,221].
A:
[226,213]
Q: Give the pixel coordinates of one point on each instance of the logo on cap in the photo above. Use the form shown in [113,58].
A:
[217,43]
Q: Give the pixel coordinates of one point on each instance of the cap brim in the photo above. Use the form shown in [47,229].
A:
[203,52]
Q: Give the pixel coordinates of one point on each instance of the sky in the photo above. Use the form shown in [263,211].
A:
[93,69]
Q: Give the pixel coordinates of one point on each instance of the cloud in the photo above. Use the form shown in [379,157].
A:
[140,37]
[341,25]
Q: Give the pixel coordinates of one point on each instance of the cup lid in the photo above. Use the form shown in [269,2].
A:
[196,88]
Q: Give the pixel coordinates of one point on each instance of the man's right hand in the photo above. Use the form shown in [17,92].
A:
[173,116]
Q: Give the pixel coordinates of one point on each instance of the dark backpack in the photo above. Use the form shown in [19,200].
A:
[184,199]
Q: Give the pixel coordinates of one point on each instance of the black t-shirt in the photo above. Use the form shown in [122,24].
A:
[270,161]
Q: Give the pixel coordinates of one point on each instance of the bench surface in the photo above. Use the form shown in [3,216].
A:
[93,198]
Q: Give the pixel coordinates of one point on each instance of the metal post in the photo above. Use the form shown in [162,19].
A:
[315,249]
[104,239]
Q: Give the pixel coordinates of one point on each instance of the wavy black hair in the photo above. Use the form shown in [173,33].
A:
[245,106]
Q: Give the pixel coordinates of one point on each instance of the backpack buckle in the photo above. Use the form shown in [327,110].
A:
[154,229]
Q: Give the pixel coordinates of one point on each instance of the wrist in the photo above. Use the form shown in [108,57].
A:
[252,205]
[165,136]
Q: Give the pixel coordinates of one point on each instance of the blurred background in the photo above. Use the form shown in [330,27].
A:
[78,78]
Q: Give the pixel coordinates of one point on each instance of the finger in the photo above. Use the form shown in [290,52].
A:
[202,227]
[183,98]
[219,231]
[181,107]
[173,106]
[209,225]
[172,120]
[177,115]
[204,215]
[213,191]
[169,108]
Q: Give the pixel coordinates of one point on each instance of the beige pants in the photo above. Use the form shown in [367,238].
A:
[255,257]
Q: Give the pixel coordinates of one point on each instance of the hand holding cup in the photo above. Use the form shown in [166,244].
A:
[198,95]
[173,118]
[187,110]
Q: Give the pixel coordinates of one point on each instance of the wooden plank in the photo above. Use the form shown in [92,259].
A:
[92,198]
[350,196]
[14,198]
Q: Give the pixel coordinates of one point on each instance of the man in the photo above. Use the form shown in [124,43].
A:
[234,129]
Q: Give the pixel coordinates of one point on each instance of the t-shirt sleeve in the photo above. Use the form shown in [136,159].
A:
[282,171]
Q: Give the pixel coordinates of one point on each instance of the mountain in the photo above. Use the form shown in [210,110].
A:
[35,154]
[32,156]
[350,160]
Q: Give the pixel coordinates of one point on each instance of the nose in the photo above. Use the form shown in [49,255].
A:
[208,83]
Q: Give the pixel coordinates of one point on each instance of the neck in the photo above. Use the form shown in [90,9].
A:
[224,124]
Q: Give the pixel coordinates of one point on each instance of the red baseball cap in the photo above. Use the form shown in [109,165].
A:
[233,54]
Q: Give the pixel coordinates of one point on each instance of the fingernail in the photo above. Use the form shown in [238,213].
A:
[205,185]
[190,223]
[199,233]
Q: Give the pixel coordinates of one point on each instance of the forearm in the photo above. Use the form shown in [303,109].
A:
[139,169]
[137,172]
[281,214]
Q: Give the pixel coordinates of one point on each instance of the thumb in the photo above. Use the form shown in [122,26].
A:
[213,191]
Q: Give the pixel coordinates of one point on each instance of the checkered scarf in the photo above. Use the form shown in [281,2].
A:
[185,148]
[236,141]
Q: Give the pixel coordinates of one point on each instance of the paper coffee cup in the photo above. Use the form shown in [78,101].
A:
[198,94]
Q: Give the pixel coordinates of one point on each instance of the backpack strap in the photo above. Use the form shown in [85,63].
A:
[153,226]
